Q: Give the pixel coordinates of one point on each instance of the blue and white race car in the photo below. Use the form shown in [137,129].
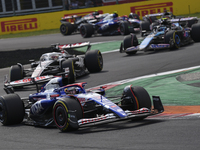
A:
[69,107]
[111,25]
[170,33]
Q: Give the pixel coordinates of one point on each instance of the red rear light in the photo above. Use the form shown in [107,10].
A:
[55,95]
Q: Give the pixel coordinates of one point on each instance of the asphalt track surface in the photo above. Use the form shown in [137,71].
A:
[148,134]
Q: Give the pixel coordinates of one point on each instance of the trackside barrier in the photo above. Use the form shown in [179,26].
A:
[44,21]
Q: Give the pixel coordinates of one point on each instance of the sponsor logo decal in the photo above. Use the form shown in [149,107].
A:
[152,8]
[19,25]
[37,107]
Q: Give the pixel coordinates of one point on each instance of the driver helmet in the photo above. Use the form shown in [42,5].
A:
[166,14]
[115,15]
[96,12]
[164,21]
[71,90]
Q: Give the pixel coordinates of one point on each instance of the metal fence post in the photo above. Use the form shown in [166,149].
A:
[13,7]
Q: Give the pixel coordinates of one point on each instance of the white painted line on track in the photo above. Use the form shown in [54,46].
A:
[148,76]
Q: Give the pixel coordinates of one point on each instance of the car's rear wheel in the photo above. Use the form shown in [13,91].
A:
[173,39]
[195,32]
[16,72]
[66,28]
[11,109]
[152,19]
[124,28]
[61,114]
[86,30]
[69,64]
[191,22]
[93,61]
[145,25]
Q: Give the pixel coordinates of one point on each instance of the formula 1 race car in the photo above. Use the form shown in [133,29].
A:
[152,20]
[67,28]
[70,107]
[55,64]
[169,34]
[111,25]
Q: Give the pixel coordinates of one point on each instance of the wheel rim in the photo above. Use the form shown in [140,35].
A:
[63,29]
[60,116]
[2,112]
[82,30]
[122,29]
[177,39]
[100,60]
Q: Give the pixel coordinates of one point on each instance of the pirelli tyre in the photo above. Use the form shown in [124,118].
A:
[69,64]
[86,30]
[191,22]
[66,28]
[16,72]
[134,98]
[66,113]
[124,28]
[129,41]
[145,25]
[93,61]
[195,32]
[152,19]
[11,109]
[172,38]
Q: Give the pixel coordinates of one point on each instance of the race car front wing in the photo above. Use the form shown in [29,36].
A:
[150,47]
[111,117]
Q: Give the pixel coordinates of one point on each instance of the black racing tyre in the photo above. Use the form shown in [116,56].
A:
[69,63]
[124,28]
[16,73]
[152,19]
[93,61]
[129,41]
[135,98]
[86,30]
[145,25]
[134,16]
[66,28]
[191,22]
[11,109]
[195,32]
[140,98]
[173,39]
[61,114]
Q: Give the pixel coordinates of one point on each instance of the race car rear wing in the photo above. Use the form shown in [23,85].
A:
[182,19]
[154,15]
[59,47]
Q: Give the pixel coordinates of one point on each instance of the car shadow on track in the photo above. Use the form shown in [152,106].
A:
[121,125]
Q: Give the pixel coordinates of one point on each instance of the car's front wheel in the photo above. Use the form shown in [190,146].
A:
[11,109]
[173,39]
[66,113]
